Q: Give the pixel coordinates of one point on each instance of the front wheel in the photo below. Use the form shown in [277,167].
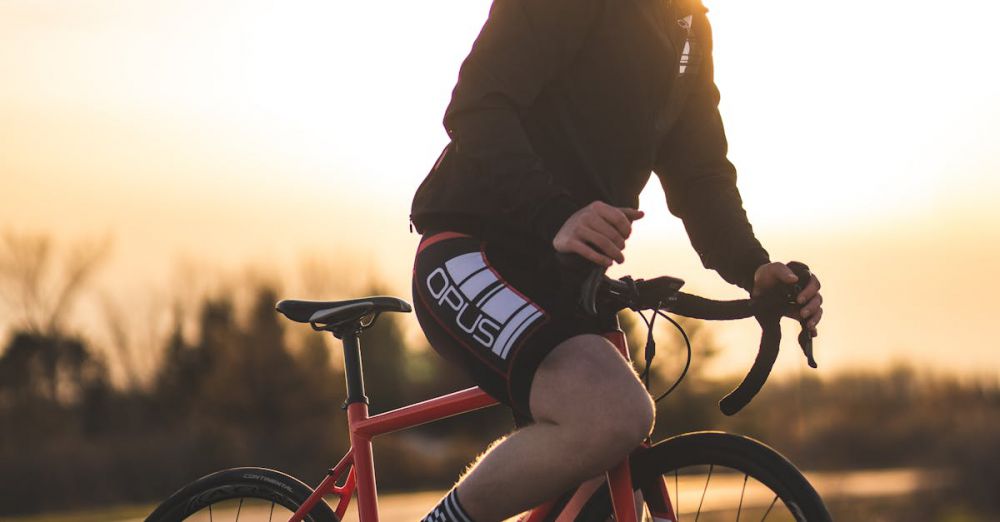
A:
[241,494]
[714,476]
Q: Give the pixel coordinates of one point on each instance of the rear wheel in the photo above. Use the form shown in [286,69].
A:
[713,476]
[241,494]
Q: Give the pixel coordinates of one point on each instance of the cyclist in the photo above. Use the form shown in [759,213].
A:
[562,110]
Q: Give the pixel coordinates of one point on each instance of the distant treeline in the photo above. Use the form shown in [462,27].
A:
[239,393]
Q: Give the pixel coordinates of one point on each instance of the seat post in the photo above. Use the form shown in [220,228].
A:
[352,368]
[357,411]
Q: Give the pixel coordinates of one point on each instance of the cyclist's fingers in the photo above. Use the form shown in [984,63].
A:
[810,308]
[814,322]
[588,252]
[811,289]
[781,272]
[615,217]
[632,213]
[607,230]
[602,244]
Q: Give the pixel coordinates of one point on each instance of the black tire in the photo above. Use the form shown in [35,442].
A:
[239,484]
[714,450]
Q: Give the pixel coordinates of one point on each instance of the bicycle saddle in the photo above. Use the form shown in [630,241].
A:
[338,312]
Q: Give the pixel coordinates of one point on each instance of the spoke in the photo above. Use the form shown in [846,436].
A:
[707,480]
[210,513]
[743,492]
[238,509]
[769,508]
[269,517]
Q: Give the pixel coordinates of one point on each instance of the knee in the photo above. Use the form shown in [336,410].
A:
[586,387]
[628,420]
[641,418]
[622,412]
[615,428]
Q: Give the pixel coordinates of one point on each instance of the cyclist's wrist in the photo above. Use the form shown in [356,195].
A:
[747,271]
[553,215]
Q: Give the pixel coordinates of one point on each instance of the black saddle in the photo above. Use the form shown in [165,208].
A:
[332,314]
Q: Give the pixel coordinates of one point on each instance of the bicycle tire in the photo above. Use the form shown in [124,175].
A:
[742,454]
[240,483]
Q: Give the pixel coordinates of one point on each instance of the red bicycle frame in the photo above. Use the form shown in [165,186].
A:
[356,470]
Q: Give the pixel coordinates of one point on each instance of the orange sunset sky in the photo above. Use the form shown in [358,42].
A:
[238,133]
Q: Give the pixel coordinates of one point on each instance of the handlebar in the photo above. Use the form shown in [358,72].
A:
[663,293]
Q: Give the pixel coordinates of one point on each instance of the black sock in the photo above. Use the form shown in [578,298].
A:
[448,510]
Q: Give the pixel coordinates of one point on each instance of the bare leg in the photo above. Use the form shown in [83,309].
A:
[590,411]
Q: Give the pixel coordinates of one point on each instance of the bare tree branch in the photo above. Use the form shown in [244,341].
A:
[35,286]
[82,263]
[25,260]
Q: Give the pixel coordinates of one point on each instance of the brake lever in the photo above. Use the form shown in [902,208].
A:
[581,280]
[805,338]
[588,291]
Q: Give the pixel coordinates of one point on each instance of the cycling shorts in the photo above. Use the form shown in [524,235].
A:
[496,309]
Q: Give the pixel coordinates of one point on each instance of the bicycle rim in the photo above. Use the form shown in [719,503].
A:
[715,477]
[240,494]
[710,493]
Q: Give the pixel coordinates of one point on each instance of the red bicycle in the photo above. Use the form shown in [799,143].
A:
[710,475]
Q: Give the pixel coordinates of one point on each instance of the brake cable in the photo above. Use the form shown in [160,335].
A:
[650,350]
[687,363]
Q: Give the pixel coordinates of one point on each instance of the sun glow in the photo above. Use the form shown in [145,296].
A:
[253,131]
[816,101]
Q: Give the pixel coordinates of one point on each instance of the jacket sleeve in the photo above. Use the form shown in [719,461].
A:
[700,185]
[521,48]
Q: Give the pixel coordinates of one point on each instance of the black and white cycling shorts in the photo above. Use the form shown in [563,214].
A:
[495,310]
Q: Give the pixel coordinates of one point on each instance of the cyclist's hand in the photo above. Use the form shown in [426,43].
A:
[597,233]
[773,274]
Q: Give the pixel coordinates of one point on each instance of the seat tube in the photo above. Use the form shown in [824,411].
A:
[361,444]
[364,466]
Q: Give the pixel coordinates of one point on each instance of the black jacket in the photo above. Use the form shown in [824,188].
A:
[564,102]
